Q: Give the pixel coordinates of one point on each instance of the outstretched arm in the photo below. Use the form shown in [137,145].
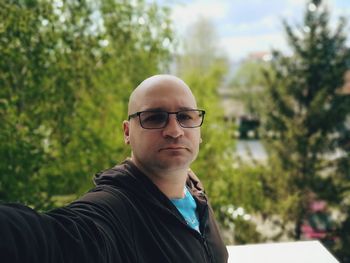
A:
[96,228]
[60,236]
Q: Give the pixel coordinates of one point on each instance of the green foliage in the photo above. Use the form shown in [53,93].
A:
[246,233]
[306,111]
[248,84]
[66,71]
[245,192]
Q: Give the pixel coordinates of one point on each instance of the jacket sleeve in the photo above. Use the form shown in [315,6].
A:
[62,235]
[96,228]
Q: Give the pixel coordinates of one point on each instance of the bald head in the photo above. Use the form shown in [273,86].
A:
[159,86]
[169,149]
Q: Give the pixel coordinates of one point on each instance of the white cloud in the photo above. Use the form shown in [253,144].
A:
[267,23]
[239,47]
[297,3]
[185,14]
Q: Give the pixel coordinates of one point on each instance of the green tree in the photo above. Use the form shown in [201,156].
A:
[306,111]
[343,169]
[200,49]
[248,85]
[66,70]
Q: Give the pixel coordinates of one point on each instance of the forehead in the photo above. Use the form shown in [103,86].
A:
[165,94]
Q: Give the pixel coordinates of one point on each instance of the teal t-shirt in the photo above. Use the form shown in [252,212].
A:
[188,208]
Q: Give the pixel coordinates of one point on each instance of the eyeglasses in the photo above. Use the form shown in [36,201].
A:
[159,119]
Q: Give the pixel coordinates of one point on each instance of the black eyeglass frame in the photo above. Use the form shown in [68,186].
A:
[137,114]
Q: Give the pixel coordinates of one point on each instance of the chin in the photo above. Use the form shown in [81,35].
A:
[176,163]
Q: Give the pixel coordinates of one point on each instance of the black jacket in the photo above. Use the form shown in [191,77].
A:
[125,218]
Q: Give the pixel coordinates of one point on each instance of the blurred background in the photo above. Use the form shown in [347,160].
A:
[273,76]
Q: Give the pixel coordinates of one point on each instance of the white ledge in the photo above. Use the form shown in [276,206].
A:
[288,252]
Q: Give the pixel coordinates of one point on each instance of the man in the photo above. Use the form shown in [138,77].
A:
[151,208]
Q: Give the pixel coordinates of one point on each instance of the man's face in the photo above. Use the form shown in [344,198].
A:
[172,147]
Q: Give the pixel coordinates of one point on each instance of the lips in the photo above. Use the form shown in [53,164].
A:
[173,148]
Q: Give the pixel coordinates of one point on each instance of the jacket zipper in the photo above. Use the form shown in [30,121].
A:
[206,248]
[201,233]
[202,239]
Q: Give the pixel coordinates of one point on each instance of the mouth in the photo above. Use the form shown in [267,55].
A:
[173,148]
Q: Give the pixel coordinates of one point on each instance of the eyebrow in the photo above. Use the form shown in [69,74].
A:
[163,109]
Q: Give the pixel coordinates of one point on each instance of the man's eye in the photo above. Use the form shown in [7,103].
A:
[155,118]
[184,117]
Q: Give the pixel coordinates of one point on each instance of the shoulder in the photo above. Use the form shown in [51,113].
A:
[108,209]
[103,199]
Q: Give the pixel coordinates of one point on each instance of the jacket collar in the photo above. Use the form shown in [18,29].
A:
[127,175]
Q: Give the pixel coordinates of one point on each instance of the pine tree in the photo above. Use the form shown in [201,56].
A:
[306,112]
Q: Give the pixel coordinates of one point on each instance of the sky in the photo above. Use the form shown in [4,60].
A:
[246,26]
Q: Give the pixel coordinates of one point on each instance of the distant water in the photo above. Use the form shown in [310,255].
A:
[251,149]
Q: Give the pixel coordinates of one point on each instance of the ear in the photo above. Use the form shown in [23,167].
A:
[126,132]
[200,140]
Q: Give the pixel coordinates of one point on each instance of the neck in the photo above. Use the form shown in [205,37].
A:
[170,182]
[172,185]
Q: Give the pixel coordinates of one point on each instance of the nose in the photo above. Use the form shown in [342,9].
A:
[173,128]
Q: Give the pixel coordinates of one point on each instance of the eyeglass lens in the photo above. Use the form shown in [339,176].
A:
[159,119]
